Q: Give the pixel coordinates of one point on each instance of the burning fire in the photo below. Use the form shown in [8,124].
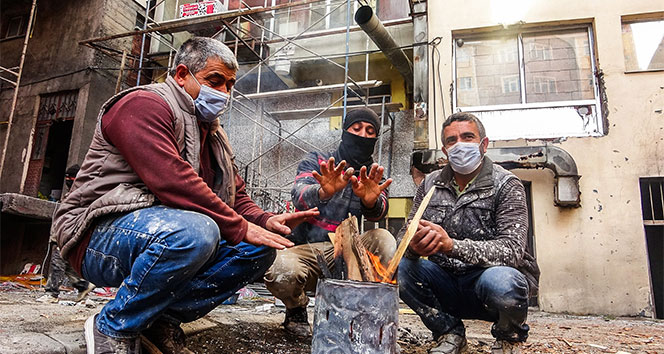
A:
[380,272]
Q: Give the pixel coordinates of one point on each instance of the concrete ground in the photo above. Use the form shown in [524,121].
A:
[252,325]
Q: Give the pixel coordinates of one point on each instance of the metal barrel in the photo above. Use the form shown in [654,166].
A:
[355,317]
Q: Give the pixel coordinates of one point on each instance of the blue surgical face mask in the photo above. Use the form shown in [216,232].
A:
[210,103]
[464,157]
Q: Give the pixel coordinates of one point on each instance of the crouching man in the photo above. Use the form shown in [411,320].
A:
[474,233]
[159,210]
[336,192]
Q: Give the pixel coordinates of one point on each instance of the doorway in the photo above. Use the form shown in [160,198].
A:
[652,207]
[50,145]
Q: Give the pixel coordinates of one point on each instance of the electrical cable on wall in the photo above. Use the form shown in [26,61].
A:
[436,73]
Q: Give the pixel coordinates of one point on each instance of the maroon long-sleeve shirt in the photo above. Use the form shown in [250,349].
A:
[140,126]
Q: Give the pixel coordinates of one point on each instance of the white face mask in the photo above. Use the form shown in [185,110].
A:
[464,157]
[210,103]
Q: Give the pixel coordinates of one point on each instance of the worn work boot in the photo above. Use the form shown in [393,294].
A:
[165,337]
[505,347]
[99,343]
[296,322]
[83,292]
[450,343]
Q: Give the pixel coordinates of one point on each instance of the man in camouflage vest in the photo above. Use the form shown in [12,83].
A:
[474,235]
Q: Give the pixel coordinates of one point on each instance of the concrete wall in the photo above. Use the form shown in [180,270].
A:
[593,258]
[56,62]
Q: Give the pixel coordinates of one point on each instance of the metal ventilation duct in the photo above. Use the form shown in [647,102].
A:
[370,24]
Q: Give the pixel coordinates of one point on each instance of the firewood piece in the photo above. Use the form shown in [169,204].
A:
[366,269]
[339,269]
[324,269]
[410,231]
[345,235]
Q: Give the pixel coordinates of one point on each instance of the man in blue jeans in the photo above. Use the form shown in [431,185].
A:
[159,210]
[474,233]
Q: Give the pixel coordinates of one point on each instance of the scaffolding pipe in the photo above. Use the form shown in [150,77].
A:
[286,45]
[145,26]
[380,139]
[18,84]
[118,84]
[316,55]
[370,24]
[346,60]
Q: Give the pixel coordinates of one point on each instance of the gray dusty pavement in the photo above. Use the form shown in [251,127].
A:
[29,326]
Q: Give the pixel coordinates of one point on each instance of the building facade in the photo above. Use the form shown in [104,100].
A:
[585,78]
[62,87]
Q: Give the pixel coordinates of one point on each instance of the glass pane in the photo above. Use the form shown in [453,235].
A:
[643,45]
[338,17]
[487,72]
[558,66]
[391,10]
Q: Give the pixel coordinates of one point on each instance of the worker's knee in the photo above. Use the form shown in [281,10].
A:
[381,243]
[287,271]
[503,288]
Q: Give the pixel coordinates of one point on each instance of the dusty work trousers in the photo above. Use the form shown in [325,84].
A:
[169,264]
[295,270]
[442,299]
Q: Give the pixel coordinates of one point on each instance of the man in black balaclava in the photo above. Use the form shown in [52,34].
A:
[359,190]
[361,128]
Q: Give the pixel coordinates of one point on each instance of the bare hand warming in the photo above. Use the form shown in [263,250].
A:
[286,222]
[368,187]
[259,236]
[332,179]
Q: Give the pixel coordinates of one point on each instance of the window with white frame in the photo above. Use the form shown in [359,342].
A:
[537,83]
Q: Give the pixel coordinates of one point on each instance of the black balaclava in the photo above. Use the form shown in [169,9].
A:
[357,150]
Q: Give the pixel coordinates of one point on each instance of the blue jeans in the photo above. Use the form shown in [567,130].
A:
[442,299]
[168,263]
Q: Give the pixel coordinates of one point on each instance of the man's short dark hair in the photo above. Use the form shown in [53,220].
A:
[463,117]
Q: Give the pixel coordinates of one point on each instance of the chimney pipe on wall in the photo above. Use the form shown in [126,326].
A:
[370,24]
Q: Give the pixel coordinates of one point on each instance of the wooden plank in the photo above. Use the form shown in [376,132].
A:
[339,270]
[360,252]
[344,233]
[407,237]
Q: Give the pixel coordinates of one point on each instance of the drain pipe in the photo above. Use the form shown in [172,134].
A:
[370,24]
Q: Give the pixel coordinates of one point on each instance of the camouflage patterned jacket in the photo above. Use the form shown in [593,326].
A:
[488,221]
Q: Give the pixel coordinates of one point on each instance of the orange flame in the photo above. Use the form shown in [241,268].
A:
[380,271]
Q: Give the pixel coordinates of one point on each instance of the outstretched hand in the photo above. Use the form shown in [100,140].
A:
[284,223]
[368,187]
[259,236]
[332,179]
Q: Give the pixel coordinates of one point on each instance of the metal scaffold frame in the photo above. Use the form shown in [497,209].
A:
[16,83]
[272,197]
